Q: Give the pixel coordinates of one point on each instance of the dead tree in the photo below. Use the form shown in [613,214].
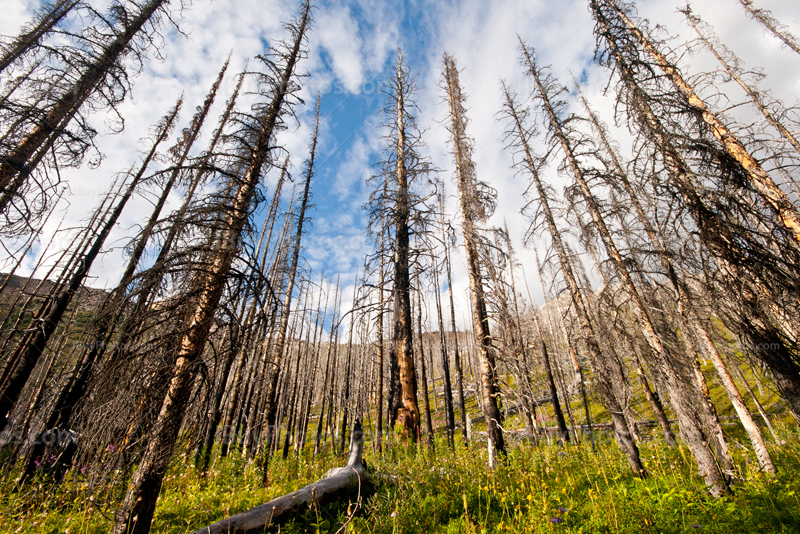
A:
[520,136]
[571,352]
[36,346]
[690,320]
[103,75]
[765,18]
[456,353]
[348,366]
[424,374]
[750,168]
[328,379]
[680,396]
[31,36]
[730,63]
[379,335]
[753,276]
[278,354]
[274,512]
[477,203]
[448,387]
[136,511]
[400,192]
[114,308]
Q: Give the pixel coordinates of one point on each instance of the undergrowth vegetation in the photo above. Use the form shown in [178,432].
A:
[539,488]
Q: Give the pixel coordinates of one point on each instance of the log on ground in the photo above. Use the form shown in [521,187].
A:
[256,520]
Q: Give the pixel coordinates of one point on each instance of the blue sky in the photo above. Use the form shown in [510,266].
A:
[353,51]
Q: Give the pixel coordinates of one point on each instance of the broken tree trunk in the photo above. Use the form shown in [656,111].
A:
[257,519]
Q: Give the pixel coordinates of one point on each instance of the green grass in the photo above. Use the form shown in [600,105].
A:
[537,489]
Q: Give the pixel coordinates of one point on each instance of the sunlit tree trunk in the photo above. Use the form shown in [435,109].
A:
[135,514]
[472,211]
[772,195]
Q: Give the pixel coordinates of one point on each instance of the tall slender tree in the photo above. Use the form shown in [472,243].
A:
[31,36]
[278,354]
[521,139]
[682,399]
[477,203]
[135,514]
[771,24]
[399,184]
[106,69]
[34,349]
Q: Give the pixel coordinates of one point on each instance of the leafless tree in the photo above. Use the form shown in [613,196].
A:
[477,203]
[95,77]
[520,136]
[404,173]
[771,24]
[136,511]
[35,347]
[31,35]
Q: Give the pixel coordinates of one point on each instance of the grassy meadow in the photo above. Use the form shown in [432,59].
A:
[538,488]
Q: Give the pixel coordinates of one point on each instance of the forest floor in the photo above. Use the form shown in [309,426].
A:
[538,488]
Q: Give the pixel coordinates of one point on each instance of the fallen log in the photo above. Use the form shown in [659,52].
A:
[256,520]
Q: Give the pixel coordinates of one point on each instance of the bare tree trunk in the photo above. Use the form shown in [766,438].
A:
[402,339]
[35,348]
[327,391]
[423,371]
[31,38]
[472,211]
[74,388]
[17,161]
[381,311]
[696,24]
[757,403]
[275,363]
[135,514]
[772,195]
[456,353]
[448,388]
[764,16]
[679,173]
[346,404]
[292,417]
[601,369]
[312,378]
[682,403]
[104,328]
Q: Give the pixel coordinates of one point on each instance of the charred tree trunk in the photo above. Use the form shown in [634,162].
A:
[448,388]
[31,38]
[707,40]
[402,338]
[34,349]
[601,368]
[135,514]
[771,194]
[680,396]
[16,165]
[423,372]
[473,210]
[275,364]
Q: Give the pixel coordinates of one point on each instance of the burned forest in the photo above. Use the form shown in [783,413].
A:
[294,266]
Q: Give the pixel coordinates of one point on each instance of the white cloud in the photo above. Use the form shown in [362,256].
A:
[337,33]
